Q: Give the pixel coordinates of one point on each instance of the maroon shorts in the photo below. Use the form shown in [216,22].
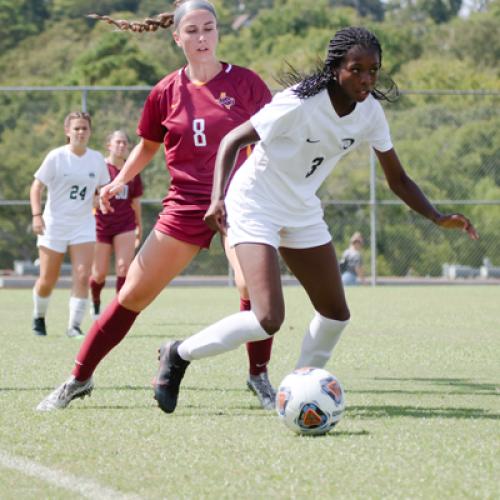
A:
[186,225]
[107,237]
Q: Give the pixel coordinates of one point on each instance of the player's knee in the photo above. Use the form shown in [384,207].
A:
[121,268]
[337,313]
[99,276]
[132,298]
[271,323]
[44,288]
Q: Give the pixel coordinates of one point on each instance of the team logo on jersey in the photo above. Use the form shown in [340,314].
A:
[226,101]
[347,143]
[91,175]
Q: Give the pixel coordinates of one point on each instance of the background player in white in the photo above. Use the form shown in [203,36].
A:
[272,204]
[189,112]
[71,174]
[120,230]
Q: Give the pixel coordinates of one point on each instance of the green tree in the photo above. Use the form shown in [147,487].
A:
[115,60]
[20,19]
[63,9]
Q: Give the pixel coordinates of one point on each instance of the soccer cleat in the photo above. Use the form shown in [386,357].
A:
[75,332]
[262,388]
[65,393]
[95,310]
[168,378]
[39,327]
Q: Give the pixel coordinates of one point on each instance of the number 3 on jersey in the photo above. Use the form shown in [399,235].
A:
[200,139]
[315,164]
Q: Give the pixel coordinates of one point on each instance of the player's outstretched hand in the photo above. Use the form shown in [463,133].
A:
[458,221]
[215,217]
[106,193]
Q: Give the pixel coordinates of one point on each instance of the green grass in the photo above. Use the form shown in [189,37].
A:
[420,367]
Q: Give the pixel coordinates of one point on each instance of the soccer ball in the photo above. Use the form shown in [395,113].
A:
[310,401]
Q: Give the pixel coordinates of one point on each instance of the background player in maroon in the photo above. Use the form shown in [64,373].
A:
[120,230]
[189,111]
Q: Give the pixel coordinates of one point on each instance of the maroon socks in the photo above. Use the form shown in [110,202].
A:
[95,290]
[259,352]
[105,333]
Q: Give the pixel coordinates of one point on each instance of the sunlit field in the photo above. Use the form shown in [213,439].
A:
[419,365]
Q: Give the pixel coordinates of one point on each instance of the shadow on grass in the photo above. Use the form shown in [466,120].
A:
[460,385]
[127,388]
[390,411]
[334,434]
[423,392]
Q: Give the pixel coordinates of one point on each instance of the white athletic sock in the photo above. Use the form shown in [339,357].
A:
[225,335]
[319,341]
[77,310]
[40,305]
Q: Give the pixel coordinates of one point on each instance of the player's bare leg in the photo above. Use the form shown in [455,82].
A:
[318,272]
[81,255]
[50,267]
[260,266]
[259,353]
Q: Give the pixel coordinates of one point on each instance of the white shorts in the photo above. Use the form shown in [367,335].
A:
[81,235]
[260,229]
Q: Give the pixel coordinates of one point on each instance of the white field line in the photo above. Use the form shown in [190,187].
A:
[83,486]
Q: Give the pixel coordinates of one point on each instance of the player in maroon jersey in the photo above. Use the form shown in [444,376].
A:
[119,231]
[189,111]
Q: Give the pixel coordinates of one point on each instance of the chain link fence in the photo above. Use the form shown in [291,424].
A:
[448,142]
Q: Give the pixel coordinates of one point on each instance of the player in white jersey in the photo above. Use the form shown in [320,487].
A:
[272,205]
[72,174]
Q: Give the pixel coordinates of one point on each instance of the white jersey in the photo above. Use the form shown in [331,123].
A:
[71,182]
[301,141]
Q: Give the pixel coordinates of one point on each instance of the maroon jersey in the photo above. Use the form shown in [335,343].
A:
[191,120]
[122,219]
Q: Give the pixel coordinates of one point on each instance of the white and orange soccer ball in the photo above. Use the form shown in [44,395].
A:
[310,401]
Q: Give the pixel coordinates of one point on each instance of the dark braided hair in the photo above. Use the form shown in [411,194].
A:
[163,20]
[343,41]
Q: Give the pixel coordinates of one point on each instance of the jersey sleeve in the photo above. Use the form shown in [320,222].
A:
[150,125]
[277,118]
[380,135]
[47,171]
[137,187]
[260,95]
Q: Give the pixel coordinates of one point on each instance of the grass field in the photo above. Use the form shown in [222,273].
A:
[420,367]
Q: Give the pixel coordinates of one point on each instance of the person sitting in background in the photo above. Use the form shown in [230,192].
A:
[351,264]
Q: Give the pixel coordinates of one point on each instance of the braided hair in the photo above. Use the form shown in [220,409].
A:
[163,20]
[343,41]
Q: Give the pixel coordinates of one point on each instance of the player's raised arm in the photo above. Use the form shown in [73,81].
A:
[406,189]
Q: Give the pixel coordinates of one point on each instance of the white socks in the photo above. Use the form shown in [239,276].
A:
[77,310]
[223,336]
[319,341]
[40,305]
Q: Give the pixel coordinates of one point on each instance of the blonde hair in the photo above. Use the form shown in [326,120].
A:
[357,237]
[115,132]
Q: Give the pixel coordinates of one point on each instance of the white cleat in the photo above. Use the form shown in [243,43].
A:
[262,388]
[75,333]
[65,393]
